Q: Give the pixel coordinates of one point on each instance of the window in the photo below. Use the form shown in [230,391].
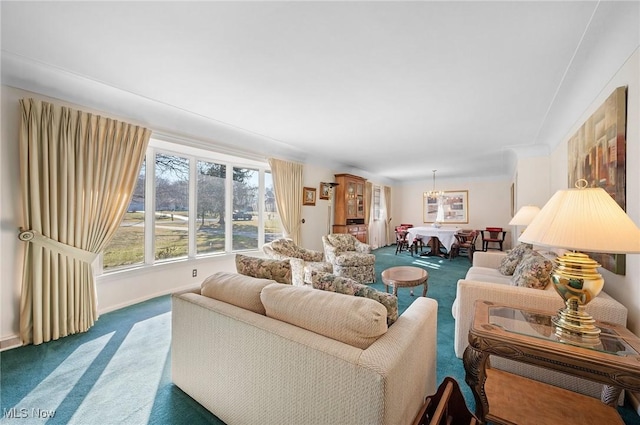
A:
[210,233]
[272,226]
[196,203]
[245,208]
[172,207]
[376,203]
[127,246]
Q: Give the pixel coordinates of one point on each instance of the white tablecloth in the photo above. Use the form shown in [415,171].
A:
[447,235]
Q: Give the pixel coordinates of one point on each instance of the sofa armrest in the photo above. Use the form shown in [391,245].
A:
[405,357]
[330,252]
[362,247]
[297,271]
[490,259]
[310,255]
[602,308]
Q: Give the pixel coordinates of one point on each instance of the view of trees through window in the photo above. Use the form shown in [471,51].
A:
[127,246]
[174,178]
[172,207]
[211,196]
[245,208]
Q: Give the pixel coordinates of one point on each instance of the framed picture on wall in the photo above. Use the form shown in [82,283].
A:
[325,188]
[308,196]
[597,154]
[454,205]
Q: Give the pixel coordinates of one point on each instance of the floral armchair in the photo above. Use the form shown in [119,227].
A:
[349,257]
[303,261]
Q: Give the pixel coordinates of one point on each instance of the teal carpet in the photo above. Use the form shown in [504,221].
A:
[119,371]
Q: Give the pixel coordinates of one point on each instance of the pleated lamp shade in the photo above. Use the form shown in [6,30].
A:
[583,219]
[524,216]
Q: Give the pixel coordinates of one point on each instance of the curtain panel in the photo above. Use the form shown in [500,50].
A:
[368,196]
[78,171]
[287,184]
[387,222]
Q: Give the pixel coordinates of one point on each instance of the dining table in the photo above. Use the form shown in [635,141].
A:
[444,236]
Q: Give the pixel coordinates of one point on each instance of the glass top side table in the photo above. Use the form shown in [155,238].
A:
[528,336]
[538,325]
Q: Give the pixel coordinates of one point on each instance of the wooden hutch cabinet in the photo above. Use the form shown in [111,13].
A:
[350,206]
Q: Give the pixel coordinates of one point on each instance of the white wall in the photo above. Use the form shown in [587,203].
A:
[625,289]
[10,210]
[316,217]
[489,202]
[532,186]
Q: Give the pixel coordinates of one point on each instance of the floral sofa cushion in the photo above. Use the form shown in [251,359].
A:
[513,258]
[264,268]
[534,271]
[345,285]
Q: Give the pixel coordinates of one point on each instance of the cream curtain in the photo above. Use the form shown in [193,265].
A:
[387,222]
[78,172]
[287,183]
[368,196]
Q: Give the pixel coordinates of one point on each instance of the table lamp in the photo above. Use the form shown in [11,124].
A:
[581,219]
[524,216]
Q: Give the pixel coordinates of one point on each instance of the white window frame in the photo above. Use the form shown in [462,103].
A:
[172,146]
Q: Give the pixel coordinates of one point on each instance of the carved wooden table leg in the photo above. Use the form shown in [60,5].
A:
[610,395]
[475,362]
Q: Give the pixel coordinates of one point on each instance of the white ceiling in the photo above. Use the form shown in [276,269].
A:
[388,89]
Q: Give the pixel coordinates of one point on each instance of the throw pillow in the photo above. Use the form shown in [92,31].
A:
[356,321]
[344,285]
[264,268]
[513,258]
[534,271]
[235,289]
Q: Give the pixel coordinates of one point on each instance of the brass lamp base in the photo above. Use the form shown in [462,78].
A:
[576,326]
[577,281]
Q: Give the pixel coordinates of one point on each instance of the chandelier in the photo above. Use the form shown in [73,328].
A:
[435,194]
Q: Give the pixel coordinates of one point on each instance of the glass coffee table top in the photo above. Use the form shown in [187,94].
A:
[540,326]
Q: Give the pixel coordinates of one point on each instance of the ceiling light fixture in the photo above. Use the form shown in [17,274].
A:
[435,194]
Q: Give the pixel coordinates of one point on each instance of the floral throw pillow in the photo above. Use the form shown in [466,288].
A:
[534,271]
[264,268]
[513,258]
[344,285]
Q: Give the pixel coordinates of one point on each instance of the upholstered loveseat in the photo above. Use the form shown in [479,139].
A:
[484,281]
[256,351]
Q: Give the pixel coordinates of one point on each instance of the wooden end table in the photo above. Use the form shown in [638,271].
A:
[528,336]
[405,277]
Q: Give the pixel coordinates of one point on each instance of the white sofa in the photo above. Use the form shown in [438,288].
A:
[484,282]
[254,351]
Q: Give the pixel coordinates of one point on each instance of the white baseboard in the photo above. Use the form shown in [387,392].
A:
[10,342]
[147,297]
[14,341]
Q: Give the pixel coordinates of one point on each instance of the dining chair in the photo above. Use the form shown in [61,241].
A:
[401,240]
[493,235]
[465,244]
[416,243]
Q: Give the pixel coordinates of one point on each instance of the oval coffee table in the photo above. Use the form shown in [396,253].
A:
[404,277]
